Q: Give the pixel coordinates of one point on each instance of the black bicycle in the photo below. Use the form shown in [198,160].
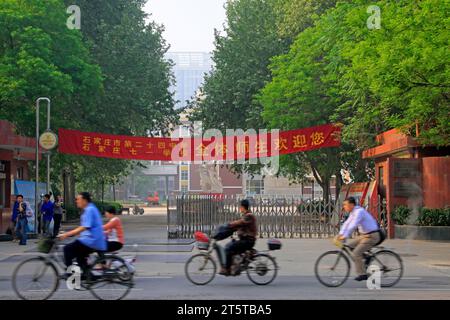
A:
[108,276]
[332,268]
[200,269]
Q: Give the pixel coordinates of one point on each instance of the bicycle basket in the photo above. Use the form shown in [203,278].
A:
[45,245]
[202,245]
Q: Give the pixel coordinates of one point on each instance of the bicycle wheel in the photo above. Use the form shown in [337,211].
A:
[332,268]
[391,267]
[262,269]
[35,279]
[200,269]
[109,278]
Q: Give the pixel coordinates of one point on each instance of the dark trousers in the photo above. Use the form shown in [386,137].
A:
[77,250]
[39,222]
[237,247]
[114,246]
[56,224]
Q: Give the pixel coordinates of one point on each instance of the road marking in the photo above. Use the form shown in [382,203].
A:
[410,289]
[153,277]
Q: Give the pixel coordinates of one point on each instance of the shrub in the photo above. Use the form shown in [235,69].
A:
[102,206]
[434,217]
[401,215]
[72,213]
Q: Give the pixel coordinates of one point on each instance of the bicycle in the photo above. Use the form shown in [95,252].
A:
[332,268]
[261,267]
[108,276]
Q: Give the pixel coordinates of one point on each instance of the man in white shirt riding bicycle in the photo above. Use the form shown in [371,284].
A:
[369,234]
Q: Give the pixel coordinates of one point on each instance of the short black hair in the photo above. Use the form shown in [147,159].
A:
[351,200]
[47,196]
[111,210]
[19,196]
[245,203]
[86,196]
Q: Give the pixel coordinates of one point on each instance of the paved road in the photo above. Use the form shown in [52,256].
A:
[160,270]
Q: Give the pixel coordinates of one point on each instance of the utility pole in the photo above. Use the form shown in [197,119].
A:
[47,141]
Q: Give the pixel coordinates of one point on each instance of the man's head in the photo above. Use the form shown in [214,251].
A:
[19,198]
[245,205]
[83,199]
[110,212]
[349,204]
[47,198]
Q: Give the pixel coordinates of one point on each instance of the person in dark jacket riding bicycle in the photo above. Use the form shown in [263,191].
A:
[247,232]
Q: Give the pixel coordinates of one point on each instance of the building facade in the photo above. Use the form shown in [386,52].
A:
[189,70]
[15,153]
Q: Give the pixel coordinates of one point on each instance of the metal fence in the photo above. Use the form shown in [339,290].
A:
[280,218]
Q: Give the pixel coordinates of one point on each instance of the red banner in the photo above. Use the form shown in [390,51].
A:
[248,146]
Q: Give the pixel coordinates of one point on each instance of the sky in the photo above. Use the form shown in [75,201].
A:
[189,24]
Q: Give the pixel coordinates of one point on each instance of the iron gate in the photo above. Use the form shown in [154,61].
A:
[280,218]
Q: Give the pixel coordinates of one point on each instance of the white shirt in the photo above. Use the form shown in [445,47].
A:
[361,219]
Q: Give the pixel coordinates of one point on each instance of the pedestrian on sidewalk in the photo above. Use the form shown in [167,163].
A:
[113,230]
[47,215]
[15,213]
[39,214]
[22,221]
[57,215]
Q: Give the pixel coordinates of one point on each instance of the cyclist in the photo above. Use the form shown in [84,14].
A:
[91,233]
[113,230]
[247,232]
[369,234]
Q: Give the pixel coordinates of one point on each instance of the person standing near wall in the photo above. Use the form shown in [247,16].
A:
[57,215]
[22,221]
[47,214]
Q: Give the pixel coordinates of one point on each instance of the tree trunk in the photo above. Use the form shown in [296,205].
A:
[338,184]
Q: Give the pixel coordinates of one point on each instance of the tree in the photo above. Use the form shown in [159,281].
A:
[40,56]
[109,77]
[399,74]
[302,94]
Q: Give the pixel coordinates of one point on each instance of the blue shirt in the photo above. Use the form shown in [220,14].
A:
[47,210]
[15,211]
[93,236]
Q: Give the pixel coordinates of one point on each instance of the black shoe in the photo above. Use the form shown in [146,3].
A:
[361,277]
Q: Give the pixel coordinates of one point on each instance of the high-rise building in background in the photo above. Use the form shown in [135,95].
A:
[189,70]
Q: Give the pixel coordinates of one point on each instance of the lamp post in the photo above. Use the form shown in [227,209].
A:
[36,189]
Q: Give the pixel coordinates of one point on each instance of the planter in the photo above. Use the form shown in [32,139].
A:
[422,232]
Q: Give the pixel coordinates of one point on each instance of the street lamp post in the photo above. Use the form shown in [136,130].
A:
[36,189]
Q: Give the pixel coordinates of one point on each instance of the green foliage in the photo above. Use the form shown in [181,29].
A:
[434,217]
[241,58]
[72,213]
[401,215]
[111,76]
[399,74]
[102,206]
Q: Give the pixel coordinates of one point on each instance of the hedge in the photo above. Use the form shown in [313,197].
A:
[427,217]
[72,213]
[401,215]
[434,217]
[103,206]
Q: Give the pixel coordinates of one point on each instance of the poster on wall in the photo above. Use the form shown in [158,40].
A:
[26,188]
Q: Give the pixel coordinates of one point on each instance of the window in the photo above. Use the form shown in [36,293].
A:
[255,187]
[19,173]
[380,176]
[184,175]
[184,189]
